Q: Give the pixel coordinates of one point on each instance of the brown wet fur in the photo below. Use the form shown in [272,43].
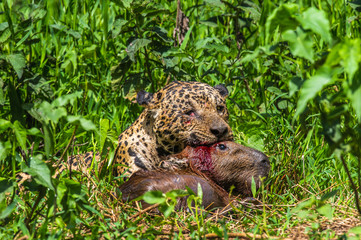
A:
[165,181]
[230,164]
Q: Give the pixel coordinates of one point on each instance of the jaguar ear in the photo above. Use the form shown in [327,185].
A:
[222,90]
[144,98]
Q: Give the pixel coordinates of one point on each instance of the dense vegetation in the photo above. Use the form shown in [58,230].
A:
[69,72]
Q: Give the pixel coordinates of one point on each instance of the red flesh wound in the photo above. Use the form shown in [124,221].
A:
[202,159]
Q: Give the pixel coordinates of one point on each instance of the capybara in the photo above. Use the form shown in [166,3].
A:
[216,168]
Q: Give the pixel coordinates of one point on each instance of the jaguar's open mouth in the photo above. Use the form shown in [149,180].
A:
[197,143]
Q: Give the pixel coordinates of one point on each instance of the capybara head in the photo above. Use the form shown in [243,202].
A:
[224,164]
[229,164]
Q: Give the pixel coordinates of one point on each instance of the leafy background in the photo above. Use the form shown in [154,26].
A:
[69,72]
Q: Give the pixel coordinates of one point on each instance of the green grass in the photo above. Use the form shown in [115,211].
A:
[69,72]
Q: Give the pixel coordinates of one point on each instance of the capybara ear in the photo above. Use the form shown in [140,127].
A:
[144,98]
[222,90]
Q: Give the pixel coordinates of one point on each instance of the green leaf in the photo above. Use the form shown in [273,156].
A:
[326,210]
[75,34]
[20,133]
[303,214]
[134,46]
[351,55]
[117,27]
[217,47]
[217,3]
[312,86]
[48,139]
[5,35]
[304,205]
[253,187]
[65,99]
[91,210]
[354,93]
[104,127]
[282,17]
[86,124]
[186,38]
[3,26]
[329,195]
[4,125]
[15,104]
[51,113]
[8,210]
[167,209]
[355,230]
[153,197]
[34,132]
[346,54]
[5,149]
[300,43]
[40,171]
[316,21]
[256,141]
[294,85]
[199,191]
[89,51]
[174,194]
[18,63]
[127,3]
[5,186]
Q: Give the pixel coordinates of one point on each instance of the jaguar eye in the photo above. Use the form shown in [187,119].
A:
[221,147]
[220,108]
[190,113]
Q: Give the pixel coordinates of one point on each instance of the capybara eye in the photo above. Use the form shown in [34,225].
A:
[222,147]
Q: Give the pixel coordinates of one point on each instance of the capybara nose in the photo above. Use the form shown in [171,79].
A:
[219,131]
[261,159]
[265,162]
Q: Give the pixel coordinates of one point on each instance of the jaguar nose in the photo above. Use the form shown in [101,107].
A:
[219,131]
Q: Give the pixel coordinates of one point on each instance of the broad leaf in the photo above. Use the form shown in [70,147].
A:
[86,124]
[69,98]
[354,93]
[312,86]
[51,113]
[5,149]
[18,63]
[167,209]
[300,43]
[326,210]
[20,133]
[40,171]
[134,46]
[355,230]
[153,197]
[8,210]
[4,125]
[282,17]
[351,56]
[316,21]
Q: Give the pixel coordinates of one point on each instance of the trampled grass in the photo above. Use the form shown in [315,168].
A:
[69,72]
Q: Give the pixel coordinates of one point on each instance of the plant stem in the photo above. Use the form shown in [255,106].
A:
[353,186]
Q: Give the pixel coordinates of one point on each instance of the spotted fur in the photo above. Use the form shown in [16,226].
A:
[180,114]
